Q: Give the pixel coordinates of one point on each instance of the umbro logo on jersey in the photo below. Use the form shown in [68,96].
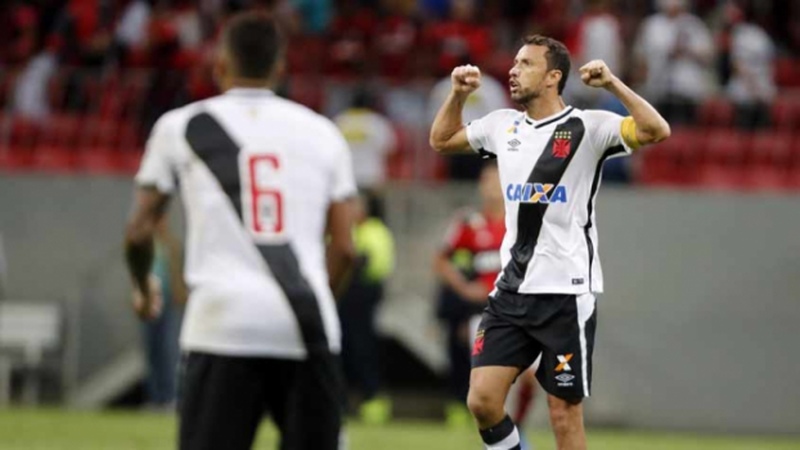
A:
[513,144]
[536,193]
[563,363]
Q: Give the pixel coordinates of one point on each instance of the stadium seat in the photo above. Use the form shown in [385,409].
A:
[54,159]
[787,72]
[786,112]
[98,132]
[673,161]
[97,160]
[23,132]
[723,163]
[716,112]
[61,130]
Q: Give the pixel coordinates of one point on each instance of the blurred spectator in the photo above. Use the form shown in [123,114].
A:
[131,29]
[358,307]
[396,42]
[30,92]
[459,38]
[675,50]
[19,26]
[747,55]
[83,32]
[315,15]
[161,334]
[351,37]
[491,96]
[371,139]
[596,35]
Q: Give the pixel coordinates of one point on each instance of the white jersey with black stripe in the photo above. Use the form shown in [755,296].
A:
[256,174]
[550,171]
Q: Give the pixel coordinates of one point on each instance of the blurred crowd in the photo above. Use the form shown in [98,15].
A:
[134,59]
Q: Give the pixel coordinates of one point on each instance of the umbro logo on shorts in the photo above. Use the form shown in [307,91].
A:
[563,361]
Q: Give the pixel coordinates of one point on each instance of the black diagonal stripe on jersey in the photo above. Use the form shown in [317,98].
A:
[590,204]
[212,144]
[547,170]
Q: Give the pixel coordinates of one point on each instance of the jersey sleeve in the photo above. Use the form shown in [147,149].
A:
[479,131]
[343,183]
[612,135]
[157,166]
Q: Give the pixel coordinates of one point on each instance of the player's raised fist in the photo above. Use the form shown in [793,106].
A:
[466,79]
[596,74]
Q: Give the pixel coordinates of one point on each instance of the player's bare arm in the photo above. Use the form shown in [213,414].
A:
[341,252]
[448,133]
[649,126]
[149,206]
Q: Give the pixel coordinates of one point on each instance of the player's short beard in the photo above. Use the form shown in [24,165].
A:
[525,98]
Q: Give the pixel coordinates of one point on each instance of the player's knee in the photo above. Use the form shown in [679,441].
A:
[483,406]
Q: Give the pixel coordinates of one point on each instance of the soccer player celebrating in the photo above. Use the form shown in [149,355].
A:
[550,157]
[263,180]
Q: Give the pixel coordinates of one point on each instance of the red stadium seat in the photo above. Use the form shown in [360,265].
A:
[55,159]
[771,148]
[673,161]
[786,112]
[787,72]
[97,160]
[61,130]
[723,163]
[716,112]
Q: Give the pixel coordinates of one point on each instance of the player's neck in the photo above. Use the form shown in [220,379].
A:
[246,83]
[543,107]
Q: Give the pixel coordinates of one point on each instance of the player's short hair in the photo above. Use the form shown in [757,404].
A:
[557,56]
[254,43]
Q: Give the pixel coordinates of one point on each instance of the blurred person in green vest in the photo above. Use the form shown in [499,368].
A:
[358,307]
[160,335]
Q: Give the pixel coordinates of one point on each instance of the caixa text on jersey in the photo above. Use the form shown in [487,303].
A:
[536,193]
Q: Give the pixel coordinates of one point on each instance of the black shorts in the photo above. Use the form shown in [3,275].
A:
[223,399]
[516,328]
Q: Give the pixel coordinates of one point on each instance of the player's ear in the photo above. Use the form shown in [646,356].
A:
[554,77]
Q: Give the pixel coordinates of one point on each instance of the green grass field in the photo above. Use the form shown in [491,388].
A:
[54,429]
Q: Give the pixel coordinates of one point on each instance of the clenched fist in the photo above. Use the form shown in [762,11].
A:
[596,74]
[466,79]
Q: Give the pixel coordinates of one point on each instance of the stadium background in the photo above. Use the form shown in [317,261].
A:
[699,237]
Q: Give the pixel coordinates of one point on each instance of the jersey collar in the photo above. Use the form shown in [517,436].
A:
[548,120]
[249,92]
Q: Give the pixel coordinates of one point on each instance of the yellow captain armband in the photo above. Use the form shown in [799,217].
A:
[628,133]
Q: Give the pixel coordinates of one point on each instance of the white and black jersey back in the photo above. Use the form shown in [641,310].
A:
[257,174]
[550,171]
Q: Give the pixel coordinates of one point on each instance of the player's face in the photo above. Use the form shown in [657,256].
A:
[527,78]
[489,186]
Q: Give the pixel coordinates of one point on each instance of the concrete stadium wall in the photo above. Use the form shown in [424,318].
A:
[697,329]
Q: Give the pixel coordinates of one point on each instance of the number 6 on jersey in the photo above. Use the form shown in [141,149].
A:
[262,195]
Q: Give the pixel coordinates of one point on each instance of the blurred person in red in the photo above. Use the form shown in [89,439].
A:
[19,31]
[352,33]
[747,56]
[397,39]
[267,185]
[461,37]
[674,52]
[550,158]
[467,266]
